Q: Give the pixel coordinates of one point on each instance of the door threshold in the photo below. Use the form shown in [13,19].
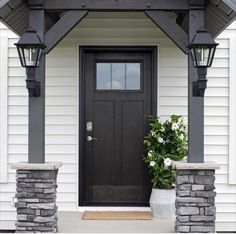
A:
[112,208]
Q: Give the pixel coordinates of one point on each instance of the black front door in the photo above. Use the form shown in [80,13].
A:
[117,100]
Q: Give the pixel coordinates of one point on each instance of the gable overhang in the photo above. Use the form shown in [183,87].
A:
[15,13]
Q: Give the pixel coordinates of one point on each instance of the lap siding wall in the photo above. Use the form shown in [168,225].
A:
[62,105]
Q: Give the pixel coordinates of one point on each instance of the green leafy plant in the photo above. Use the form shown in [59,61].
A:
[165,142]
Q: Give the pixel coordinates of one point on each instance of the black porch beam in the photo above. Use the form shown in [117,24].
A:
[195,104]
[116,5]
[36,137]
[62,28]
[170,28]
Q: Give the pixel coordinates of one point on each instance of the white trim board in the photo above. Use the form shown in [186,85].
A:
[112,208]
[3,107]
[232,110]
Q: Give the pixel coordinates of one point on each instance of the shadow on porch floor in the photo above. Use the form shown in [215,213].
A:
[70,222]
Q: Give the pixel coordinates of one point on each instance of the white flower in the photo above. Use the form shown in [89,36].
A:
[153,133]
[150,153]
[181,136]
[160,139]
[162,129]
[185,121]
[152,163]
[185,158]
[174,126]
[167,162]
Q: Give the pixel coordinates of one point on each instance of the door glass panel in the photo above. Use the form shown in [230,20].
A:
[133,76]
[103,76]
[118,76]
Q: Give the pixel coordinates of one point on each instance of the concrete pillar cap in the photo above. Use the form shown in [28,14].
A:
[47,166]
[195,166]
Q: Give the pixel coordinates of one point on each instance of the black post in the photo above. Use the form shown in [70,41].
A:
[36,148]
[195,104]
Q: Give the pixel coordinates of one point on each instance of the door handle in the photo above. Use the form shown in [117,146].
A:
[89,138]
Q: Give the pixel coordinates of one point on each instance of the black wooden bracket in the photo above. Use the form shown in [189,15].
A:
[170,28]
[62,28]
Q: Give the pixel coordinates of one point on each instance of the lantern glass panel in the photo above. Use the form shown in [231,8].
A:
[211,56]
[201,56]
[21,55]
[32,55]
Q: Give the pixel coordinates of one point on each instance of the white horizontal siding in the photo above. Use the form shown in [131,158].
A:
[62,109]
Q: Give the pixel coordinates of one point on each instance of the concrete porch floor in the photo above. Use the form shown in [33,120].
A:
[71,222]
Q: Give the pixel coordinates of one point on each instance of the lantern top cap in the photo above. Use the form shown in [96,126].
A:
[30,38]
[202,38]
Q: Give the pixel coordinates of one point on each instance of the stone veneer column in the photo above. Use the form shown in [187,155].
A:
[36,196]
[195,198]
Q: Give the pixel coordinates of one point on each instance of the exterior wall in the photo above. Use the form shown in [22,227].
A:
[62,105]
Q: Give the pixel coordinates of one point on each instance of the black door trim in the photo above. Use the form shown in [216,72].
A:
[82,51]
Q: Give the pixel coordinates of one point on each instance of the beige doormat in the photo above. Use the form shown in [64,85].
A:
[117,215]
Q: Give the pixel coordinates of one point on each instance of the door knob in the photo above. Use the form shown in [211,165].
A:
[89,138]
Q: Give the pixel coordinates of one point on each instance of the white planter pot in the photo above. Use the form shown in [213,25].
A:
[162,202]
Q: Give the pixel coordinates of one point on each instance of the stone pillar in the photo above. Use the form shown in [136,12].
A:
[195,197]
[36,196]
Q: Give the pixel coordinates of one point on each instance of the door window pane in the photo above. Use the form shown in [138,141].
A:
[103,76]
[133,76]
[118,76]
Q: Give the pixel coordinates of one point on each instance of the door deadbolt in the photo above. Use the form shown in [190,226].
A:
[89,126]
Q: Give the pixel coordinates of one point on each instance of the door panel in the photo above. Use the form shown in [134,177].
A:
[117,100]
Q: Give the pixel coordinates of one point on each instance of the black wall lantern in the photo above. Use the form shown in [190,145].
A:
[30,48]
[202,49]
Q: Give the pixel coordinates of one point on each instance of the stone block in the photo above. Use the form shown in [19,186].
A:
[183,218]
[191,179]
[28,200]
[20,229]
[43,206]
[202,211]
[20,205]
[205,194]
[184,229]
[204,179]
[37,190]
[197,187]
[189,199]
[210,210]
[20,176]
[192,193]
[200,218]
[210,172]
[202,229]
[201,172]
[25,211]
[183,179]
[51,190]
[188,211]
[209,187]
[44,174]
[183,193]
[44,185]
[38,212]
[22,217]
[47,212]
[31,218]
[44,229]
[40,219]
[203,204]
[26,224]
[184,186]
